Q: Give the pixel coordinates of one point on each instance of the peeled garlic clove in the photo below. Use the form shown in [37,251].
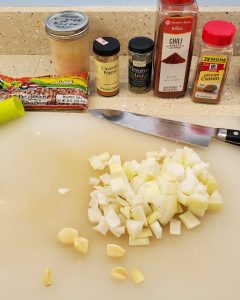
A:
[119,273]
[47,277]
[67,235]
[137,276]
[114,250]
[81,244]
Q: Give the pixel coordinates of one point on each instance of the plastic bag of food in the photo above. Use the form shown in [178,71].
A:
[48,92]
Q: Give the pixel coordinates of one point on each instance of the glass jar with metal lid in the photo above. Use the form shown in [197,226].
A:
[140,64]
[69,41]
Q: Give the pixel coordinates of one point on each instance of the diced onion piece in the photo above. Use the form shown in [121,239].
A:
[200,188]
[94,181]
[105,178]
[96,163]
[116,169]
[189,220]
[67,235]
[104,157]
[117,185]
[112,219]
[147,209]
[138,241]
[169,210]
[156,229]
[47,277]
[200,167]
[212,185]
[175,170]
[137,275]
[94,215]
[114,250]
[118,231]
[138,214]
[179,208]
[119,273]
[215,202]
[134,227]
[175,227]
[114,159]
[125,211]
[154,216]
[137,182]
[188,184]
[146,232]
[182,198]
[81,244]
[102,226]
[198,203]
[130,168]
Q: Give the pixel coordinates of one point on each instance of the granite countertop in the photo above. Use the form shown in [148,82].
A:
[35,65]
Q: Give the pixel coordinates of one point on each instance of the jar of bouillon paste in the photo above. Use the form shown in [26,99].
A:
[106,51]
[140,64]
[213,63]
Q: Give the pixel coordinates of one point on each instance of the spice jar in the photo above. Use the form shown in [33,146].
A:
[140,64]
[213,63]
[69,41]
[174,39]
[106,51]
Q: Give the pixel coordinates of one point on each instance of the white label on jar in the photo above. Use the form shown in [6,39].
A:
[70,99]
[176,42]
[102,41]
[139,64]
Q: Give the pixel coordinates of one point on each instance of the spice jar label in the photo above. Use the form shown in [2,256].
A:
[107,75]
[139,74]
[176,42]
[212,69]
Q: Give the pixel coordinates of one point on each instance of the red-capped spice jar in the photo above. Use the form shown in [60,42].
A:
[213,63]
[174,39]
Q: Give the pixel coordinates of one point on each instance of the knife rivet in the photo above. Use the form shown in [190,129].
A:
[236,133]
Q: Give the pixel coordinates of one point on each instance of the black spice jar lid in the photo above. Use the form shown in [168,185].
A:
[106,46]
[140,44]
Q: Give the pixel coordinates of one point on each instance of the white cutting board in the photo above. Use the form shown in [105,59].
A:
[45,151]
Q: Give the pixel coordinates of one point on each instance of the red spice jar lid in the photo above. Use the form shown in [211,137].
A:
[218,33]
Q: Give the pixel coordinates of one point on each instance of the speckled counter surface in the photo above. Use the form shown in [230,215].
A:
[35,65]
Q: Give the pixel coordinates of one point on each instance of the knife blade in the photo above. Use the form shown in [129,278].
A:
[178,131]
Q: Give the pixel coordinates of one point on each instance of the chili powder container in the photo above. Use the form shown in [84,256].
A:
[213,63]
[174,40]
[106,51]
[140,64]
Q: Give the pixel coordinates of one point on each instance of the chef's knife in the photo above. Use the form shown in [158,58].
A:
[173,130]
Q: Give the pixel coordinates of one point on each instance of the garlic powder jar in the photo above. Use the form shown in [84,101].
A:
[69,41]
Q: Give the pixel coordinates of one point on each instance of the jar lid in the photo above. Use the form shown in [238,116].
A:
[218,33]
[106,46]
[66,25]
[140,44]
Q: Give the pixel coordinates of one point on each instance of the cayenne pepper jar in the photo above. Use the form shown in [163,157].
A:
[106,51]
[174,39]
[213,63]
[140,64]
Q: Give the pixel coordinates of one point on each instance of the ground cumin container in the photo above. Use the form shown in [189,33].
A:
[69,41]
[174,39]
[213,63]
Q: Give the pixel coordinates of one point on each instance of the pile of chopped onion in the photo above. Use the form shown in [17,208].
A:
[139,197]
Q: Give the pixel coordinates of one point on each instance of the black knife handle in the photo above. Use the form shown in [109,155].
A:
[231,136]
